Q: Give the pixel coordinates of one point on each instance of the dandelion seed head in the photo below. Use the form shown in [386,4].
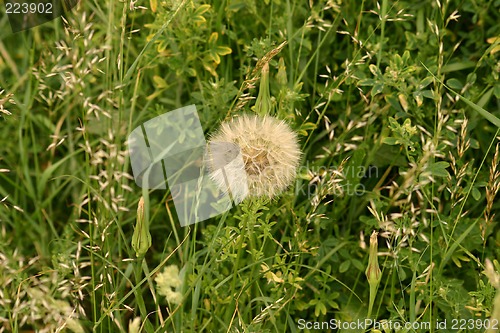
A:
[270,153]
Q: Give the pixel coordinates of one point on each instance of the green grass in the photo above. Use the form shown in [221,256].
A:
[397,106]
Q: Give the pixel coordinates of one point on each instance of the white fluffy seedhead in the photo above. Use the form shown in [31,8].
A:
[270,152]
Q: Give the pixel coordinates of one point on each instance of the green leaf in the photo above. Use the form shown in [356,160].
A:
[160,83]
[358,264]
[377,89]
[191,72]
[425,82]
[320,308]
[458,66]
[344,267]
[223,50]
[201,10]
[213,38]
[476,194]
[406,56]
[398,61]
[333,304]
[497,90]
[214,56]
[454,84]
[394,101]
[438,169]
[390,141]
[308,126]
[428,94]
[471,78]
[367,82]
[199,19]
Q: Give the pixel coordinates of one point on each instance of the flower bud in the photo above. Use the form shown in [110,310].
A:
[281,77]
[373,273]
[141,239]
[263,104]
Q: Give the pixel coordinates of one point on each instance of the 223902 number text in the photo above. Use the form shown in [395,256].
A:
[28,8]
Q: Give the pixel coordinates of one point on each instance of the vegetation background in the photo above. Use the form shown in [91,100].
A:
[397,104]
